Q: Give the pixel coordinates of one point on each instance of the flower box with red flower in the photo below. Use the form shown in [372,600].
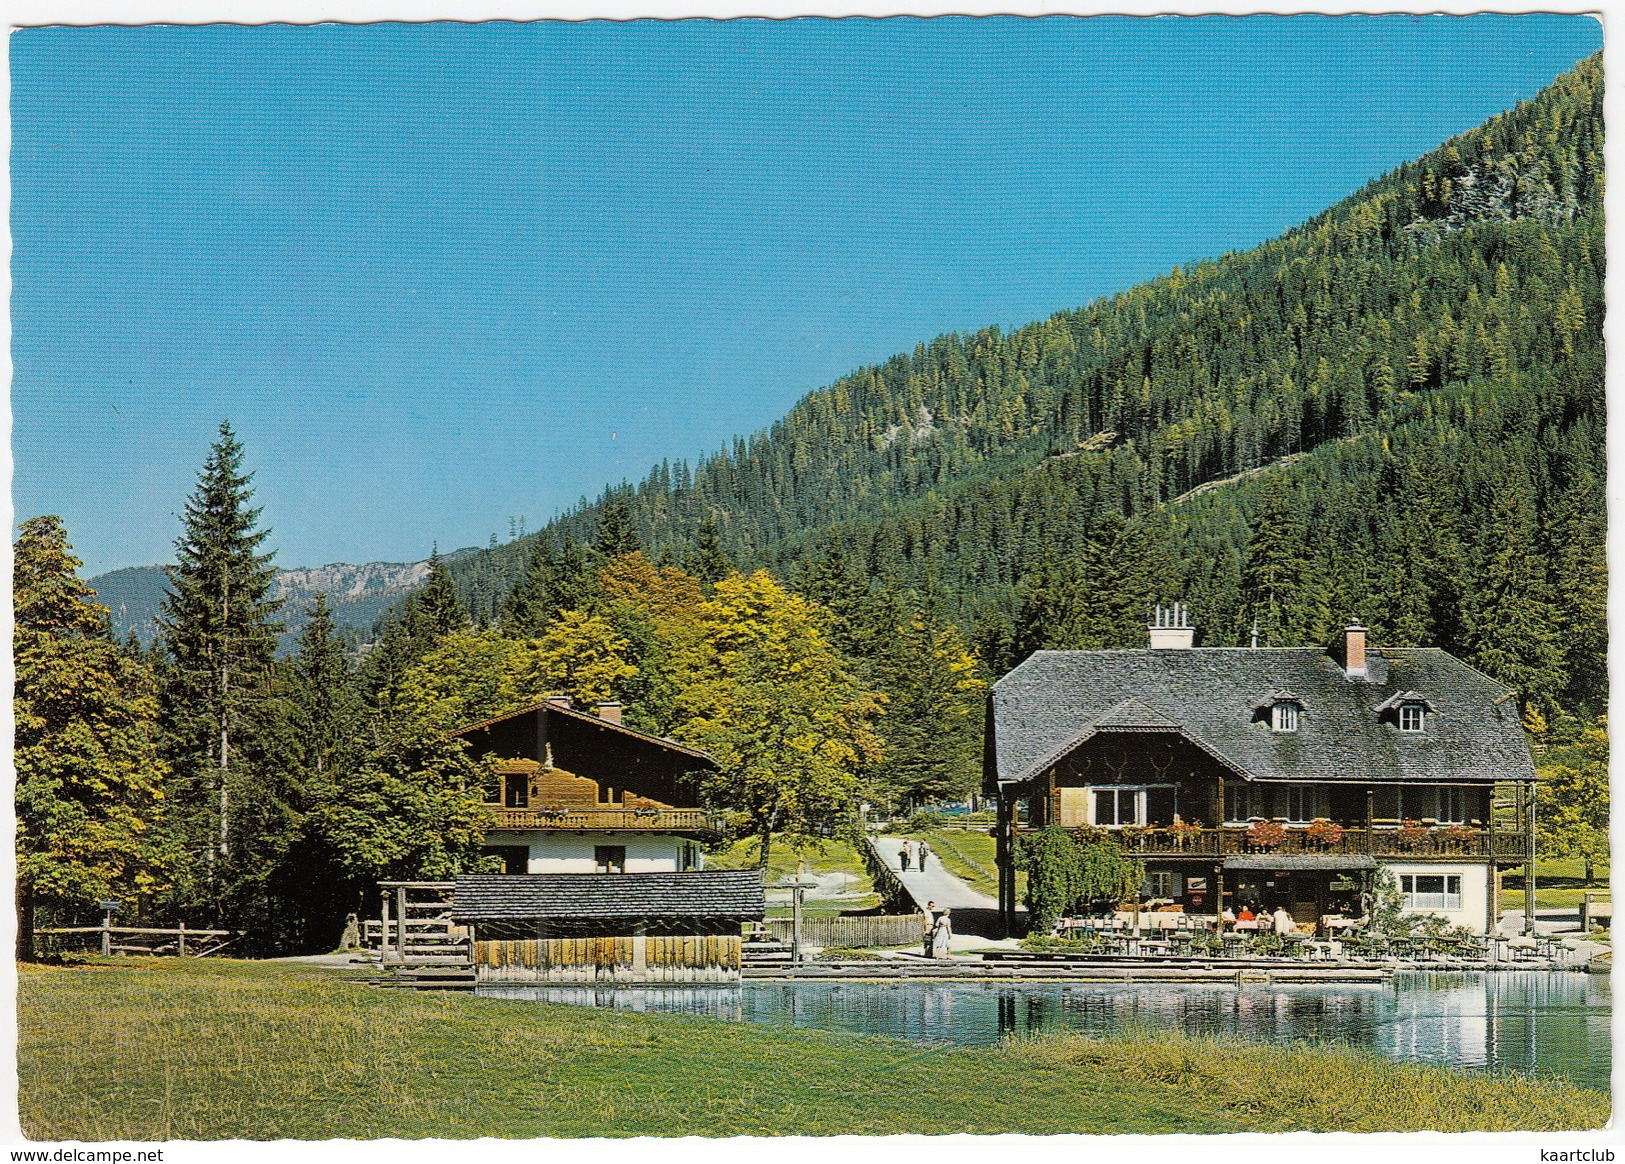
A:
[1324,833]
[1266,834]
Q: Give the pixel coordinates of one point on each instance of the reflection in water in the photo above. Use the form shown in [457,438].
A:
[1526,1022]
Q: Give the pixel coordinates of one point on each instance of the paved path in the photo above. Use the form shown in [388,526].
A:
[936,883]
[975,916]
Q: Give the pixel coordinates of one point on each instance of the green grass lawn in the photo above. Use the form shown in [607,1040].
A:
[969,855]
[1558,885]
[146,1049]
[832,857]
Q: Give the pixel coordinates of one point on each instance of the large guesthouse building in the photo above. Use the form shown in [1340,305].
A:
[1269,777]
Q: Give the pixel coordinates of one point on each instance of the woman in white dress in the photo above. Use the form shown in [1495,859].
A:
[941,935]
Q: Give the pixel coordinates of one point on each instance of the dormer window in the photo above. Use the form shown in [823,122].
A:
[1412,717]
[1284,716]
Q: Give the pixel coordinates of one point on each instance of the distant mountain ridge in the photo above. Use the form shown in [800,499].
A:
[356,594]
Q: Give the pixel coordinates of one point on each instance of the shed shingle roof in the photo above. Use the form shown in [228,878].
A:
[723,893]
[1057,700]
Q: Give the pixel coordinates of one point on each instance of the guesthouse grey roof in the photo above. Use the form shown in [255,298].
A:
[1217,697]
[724,893]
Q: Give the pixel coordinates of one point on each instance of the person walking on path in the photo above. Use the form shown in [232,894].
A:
[941,935]
[930,912]
[925,851]
[903,855]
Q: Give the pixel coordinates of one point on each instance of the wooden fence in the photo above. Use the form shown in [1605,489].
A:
[625,958]
[856,933]
[180,941]
[894,895]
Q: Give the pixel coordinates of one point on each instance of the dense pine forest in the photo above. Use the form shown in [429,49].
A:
[1393,413]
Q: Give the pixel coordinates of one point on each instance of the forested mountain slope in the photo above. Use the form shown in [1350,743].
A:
[1432,344]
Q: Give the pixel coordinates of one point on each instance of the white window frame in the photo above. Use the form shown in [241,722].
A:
[1284,716]
[1139,800]
[1137,795]
[1447,897]
[1412,717]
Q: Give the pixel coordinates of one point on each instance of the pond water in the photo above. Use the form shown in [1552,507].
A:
[1526,1022]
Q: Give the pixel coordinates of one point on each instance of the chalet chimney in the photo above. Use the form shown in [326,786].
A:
[1171,629]
[1354,651]
[559,701]
[609,711]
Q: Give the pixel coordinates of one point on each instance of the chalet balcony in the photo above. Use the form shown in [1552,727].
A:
[1440,843]
[641,820]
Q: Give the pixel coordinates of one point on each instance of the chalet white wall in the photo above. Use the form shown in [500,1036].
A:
[1475,891]
[573,852]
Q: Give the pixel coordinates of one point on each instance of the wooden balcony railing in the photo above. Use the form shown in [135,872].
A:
[1438,844]
[648,820]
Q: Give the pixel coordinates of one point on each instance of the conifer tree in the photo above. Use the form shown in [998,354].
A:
[438,609]
[328,708]
[219,630]
[616,534]
[529,605]
[709,563]
[1512,619]
[1278,582]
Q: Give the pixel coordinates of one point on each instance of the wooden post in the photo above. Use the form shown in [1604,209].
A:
[795,913]
[107,933]
[640,952]
[1003,861]
[400,908]
[180,948]
[1529,862]
[1218,896]
[383,922]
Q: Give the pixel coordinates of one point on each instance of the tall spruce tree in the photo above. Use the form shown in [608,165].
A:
[529,605]
[437,606]
[219,629]
[616,534]
[709,562]
[327,704]
[1282,598]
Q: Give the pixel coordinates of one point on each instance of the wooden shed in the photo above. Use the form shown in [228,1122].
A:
[608,928]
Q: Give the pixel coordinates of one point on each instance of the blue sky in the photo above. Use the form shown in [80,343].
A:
[441,275]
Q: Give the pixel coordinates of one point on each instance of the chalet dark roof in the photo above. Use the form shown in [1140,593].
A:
[723,893]
[1058,700]
[1287,862]
[585,717]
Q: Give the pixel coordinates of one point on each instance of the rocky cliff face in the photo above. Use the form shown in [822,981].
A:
[356,594]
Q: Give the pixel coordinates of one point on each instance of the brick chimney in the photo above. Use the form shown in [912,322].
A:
[1354,651]
[1170,628]
[609,711]
[559,701]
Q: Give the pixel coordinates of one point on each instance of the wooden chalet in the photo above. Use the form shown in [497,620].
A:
[583,793]
[1268,777]
[608,928]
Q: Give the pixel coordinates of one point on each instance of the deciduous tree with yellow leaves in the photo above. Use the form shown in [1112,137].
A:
[791,729]
[89,777]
